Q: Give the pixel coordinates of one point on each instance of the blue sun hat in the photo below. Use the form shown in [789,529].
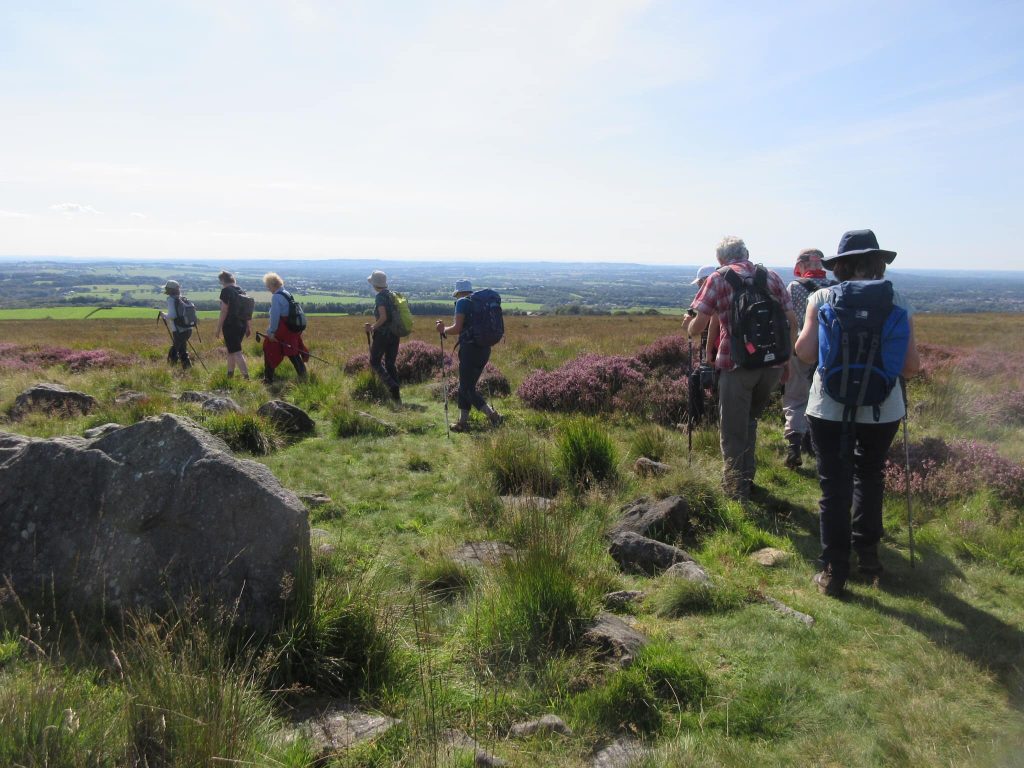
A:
[463,286]
[855,243]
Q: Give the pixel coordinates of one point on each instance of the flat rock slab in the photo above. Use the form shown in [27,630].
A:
[53,399]
[666,518]
[623,753]
[315,499]
[613,638]
[101,430]
[769,557]
[650,468]
[456,739]
[539,503]
[335,728]
[288,418]
[221,405]
[482,553]
[389,428]
[639,554]
[129,398]
[689,571]
[191,396]
[545,725]
[623,598]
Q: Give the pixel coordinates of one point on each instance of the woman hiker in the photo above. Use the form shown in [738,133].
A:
[281,341]
[473,358]
[179,335]
[231,325]
[384,343]
[850,465]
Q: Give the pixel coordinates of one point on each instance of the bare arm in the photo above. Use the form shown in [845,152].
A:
[382,320]
[697,325]
[455,327]
[807,343]
[220,320]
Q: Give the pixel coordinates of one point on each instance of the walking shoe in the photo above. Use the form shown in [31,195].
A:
[460,426]
[396,394]
[793,460]
[807,445]
[868,563]
[829,583]
[495,419]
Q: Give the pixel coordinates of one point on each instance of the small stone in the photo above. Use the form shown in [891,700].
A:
[547,724]
[458,740]
[288,418]
[689,571]
[540,503]
[482,553]
[315,499]
[221,405]
[333,728]
[623,753]
[637,553]
[53,399]
[326,550]
[613,638]
[769,557]
[623,598]
[128,398]
[191,396]
[389,428]
[649,468]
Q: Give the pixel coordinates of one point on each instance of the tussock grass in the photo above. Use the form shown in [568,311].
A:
[444,577]
[367,386]
[243,432]
[517,463]
[680,597]
[650,441]
[348,423]
[586,453]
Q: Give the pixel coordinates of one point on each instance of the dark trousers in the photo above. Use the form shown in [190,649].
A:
[472,360]
[179,348]
[851,476]
[300,368]
[383,353]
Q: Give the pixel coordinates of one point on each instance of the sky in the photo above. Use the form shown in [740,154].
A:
[601,130]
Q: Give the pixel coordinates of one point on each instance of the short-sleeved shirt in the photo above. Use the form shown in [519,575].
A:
[464,307]
[383,299]
[228,295]
[715,298]
[798,293]
[821,406]
[172,313]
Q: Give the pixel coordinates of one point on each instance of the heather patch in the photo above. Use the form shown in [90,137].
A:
[669,352]
[942,471]
[14,357]
[587,384]
[492,383]
[417,361]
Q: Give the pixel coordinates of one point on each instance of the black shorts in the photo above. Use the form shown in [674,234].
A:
[233,335]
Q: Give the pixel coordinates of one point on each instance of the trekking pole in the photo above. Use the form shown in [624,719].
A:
[260,337]
[906,466]
[196,354]
[444,386]
[369,344]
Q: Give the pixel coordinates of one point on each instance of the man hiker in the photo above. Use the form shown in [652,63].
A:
[384,343]
[233,323]
[473,356]
[810,277]
[709,339]
[750,357]
[180,334]
[282,340]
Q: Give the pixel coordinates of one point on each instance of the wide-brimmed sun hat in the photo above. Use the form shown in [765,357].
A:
[703,273]
[172,287]
[378,279]
[855,243]
[463,286]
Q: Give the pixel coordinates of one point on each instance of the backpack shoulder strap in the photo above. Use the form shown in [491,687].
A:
[734,280]
[809,284]
[761,276]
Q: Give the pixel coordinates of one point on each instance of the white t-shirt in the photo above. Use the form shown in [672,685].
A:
[822,406]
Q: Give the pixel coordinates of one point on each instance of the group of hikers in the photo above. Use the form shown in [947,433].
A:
[841,348]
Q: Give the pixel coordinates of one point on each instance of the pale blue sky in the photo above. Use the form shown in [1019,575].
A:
[610,130]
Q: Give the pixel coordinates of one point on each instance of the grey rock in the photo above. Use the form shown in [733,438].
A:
[221,405]
[319,534]
[545,725]
[769,557]
[315,499]
[613,638]
[288,418]
[326,550]
[190,396]
[650,468]
[127,398]
[688,570]
[637,553]
[101,430]
[148,516]
[623,598]
[655,519]
[334,727]
[458,740]
[540,503]
[53,399]
[482,553]
[623,753]
[785,610]
[389,428]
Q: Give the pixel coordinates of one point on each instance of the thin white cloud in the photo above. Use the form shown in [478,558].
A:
[137,215]
[14,215]
[73,209]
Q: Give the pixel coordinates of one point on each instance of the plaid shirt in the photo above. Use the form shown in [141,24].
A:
[715,297]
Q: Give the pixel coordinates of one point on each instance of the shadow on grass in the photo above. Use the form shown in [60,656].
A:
[984,639]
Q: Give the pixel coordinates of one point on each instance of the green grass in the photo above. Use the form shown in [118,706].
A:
[922,670]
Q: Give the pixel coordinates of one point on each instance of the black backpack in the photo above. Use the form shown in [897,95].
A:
[241,307]
[296,320]
[186,313]
[757,323]
[486,322]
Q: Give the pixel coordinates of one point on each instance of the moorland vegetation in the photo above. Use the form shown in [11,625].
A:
[924,668]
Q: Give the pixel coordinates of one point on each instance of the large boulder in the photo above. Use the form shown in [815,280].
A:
[662,519]
[147,516]
[54,399]
[288,418]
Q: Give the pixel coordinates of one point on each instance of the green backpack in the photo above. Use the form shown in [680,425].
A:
[400,317]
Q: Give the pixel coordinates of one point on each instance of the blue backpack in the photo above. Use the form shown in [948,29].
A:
[862,344]
[486,323]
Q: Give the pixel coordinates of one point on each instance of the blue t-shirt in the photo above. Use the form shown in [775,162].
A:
[464,307]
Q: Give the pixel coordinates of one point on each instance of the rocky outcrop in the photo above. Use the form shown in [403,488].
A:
[146,516]
[53,399]
[289,419]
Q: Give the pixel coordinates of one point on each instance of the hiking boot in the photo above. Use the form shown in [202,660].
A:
[868,563]
[495,419]
[396,394]
[793,459]
[806,445]
[460,426]
[829,582]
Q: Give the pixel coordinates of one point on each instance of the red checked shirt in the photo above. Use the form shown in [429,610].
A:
[715,297]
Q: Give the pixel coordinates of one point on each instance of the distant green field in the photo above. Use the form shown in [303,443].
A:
[79,313]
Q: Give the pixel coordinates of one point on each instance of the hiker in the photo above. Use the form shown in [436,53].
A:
[851,442]
[384,344]
[708,346]
[474,353]
[235,322]
[750,357]
[180,333]
[811,277]
[281,340]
